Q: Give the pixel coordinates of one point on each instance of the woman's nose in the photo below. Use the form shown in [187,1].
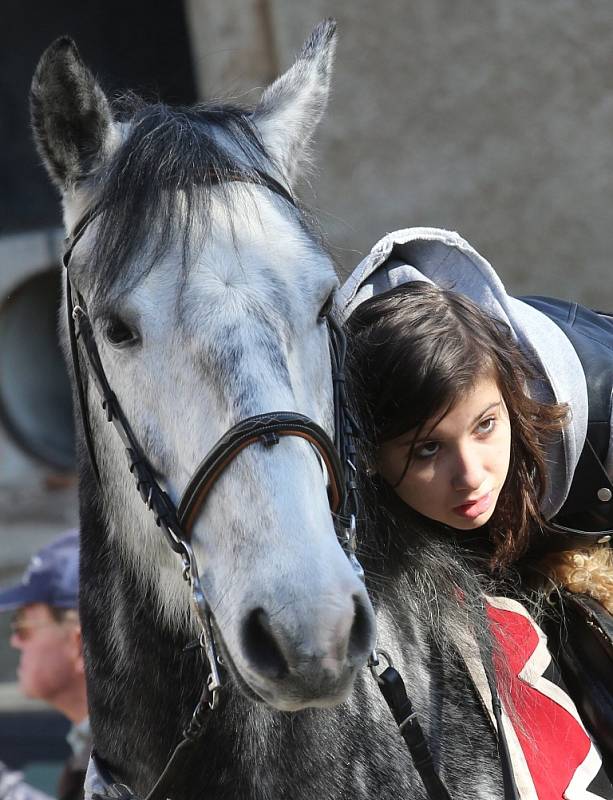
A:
[468,470]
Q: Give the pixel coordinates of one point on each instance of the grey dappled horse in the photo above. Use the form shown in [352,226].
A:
[208,290]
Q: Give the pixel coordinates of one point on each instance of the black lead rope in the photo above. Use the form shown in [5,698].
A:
[394,692]
[173,772]
[182,752]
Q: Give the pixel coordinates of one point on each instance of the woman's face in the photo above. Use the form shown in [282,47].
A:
[459,463]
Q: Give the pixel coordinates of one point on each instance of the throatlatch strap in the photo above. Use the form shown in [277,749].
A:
[394,692]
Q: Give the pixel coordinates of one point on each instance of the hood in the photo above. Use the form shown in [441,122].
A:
[445,259]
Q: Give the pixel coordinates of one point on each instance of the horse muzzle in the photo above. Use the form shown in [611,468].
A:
[312,663]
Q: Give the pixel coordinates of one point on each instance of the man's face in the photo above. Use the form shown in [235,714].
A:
[50,652]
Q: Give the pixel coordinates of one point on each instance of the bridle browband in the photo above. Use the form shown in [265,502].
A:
[176,523]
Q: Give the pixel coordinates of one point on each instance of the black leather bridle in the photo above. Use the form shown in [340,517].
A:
[177,522]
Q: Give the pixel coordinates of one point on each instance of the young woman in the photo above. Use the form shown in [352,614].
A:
[476,438]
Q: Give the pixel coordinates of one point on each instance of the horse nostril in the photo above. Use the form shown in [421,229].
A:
[261,647]
[360,638]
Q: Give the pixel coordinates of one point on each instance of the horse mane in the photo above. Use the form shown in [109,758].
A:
[440,583]
[155,188]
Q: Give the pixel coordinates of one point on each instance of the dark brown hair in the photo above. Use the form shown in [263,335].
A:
[416,349]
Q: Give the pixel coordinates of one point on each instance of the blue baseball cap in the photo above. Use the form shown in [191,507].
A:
[52,577]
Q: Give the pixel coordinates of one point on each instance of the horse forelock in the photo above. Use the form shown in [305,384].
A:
[155,189]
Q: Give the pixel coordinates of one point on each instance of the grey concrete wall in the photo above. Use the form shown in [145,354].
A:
[493,118]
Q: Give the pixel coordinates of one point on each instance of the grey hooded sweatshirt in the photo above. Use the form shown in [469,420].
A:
[443,258]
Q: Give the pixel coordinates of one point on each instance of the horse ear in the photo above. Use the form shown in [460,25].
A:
[70,114]
[291,107]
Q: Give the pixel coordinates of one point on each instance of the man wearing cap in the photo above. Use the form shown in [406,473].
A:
[46,632]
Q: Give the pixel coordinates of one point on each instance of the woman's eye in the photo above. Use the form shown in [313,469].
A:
[118,332]
[426,450]
[327,307]
[486,425]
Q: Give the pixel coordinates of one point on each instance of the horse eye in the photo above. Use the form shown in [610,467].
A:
[118,332]
[327,307]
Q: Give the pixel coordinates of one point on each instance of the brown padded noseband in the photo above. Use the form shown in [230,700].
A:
[265,428]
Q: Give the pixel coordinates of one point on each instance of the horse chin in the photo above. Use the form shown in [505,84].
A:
[292,704]
[283,698]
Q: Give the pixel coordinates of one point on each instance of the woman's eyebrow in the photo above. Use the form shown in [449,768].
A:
[406,439]
[431,436]
[491,407]
[427,437]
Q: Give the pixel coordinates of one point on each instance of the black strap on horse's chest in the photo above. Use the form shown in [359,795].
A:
[394,692]
[395,695]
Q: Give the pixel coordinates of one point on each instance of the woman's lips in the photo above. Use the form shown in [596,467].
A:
[476,507]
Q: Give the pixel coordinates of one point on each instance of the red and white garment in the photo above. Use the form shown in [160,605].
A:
[551,753]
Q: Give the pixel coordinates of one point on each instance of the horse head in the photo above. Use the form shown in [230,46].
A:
[207,290]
